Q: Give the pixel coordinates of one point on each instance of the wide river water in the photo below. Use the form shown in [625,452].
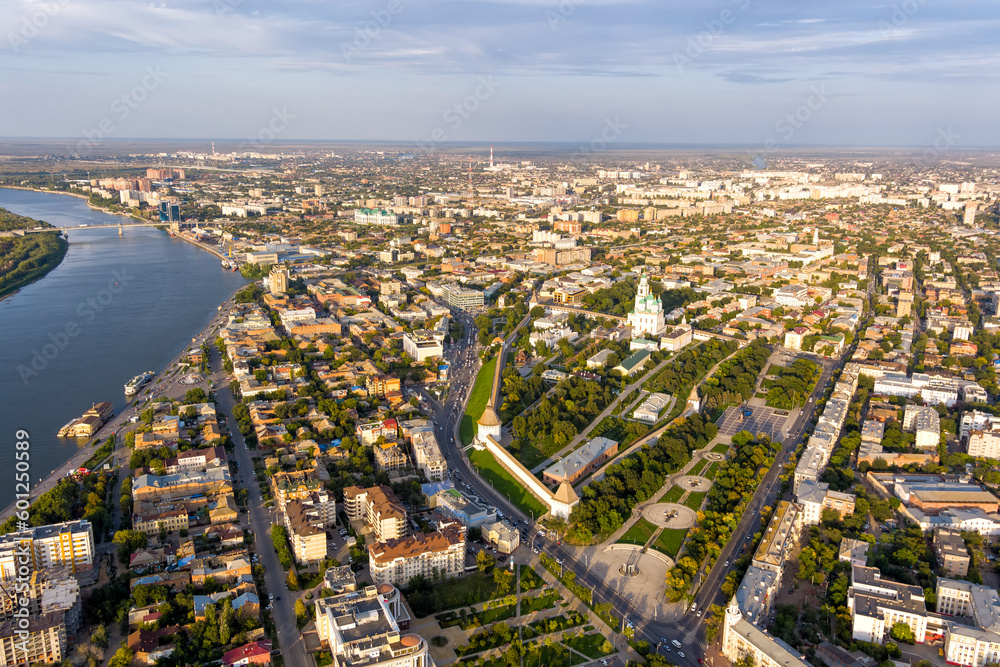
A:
[115,307]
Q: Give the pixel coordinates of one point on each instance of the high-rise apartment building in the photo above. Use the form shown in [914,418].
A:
[70,543]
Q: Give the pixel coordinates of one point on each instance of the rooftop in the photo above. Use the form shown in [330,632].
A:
[581,458]
[415,545]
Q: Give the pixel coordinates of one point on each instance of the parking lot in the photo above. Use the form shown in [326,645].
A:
[760,420]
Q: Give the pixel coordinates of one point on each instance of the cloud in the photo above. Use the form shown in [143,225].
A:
[746,77]
[611,54]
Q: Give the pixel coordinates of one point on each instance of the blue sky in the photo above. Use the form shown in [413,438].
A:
[776,73]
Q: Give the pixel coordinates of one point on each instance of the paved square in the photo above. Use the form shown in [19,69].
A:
[760,420]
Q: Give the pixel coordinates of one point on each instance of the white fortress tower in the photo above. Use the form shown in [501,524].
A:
[489,422]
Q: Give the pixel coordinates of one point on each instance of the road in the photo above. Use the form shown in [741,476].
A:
[579,438]
[710,592]
[448,415]
[648,625]
[465,365]
[290,641]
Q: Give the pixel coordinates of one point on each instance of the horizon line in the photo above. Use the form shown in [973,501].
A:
[486,143]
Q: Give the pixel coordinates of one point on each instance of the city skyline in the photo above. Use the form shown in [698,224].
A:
[430,74]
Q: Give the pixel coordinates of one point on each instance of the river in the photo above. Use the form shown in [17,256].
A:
[115,307]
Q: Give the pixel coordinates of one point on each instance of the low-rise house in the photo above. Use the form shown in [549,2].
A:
[582,462]
[504,536]
[633,364]
[254,653]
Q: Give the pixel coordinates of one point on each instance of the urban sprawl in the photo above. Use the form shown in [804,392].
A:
[488,411]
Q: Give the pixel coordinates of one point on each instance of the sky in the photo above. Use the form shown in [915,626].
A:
[771,74]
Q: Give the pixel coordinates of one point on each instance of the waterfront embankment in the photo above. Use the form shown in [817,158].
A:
[116,306]
[116,425]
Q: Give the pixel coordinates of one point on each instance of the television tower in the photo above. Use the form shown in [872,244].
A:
[491,156]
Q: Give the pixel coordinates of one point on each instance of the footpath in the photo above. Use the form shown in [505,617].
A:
[429,626]
[578,440]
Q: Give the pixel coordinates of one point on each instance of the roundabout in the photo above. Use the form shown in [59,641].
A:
[670,515]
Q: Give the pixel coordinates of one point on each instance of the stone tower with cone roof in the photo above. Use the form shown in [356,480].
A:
[489,422]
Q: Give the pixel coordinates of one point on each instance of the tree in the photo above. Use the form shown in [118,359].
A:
[901,632]
[503,578]
[122,658]
[300,609]
[227,623]
[713,622]
[100,636]
[485,561]
[128,542]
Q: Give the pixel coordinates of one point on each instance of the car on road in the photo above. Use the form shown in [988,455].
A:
[604,662]
[680,654]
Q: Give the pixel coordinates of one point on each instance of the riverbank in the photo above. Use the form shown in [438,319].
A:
[78,196]
[202,246]
[118,213]
[115,425]
[19,251]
